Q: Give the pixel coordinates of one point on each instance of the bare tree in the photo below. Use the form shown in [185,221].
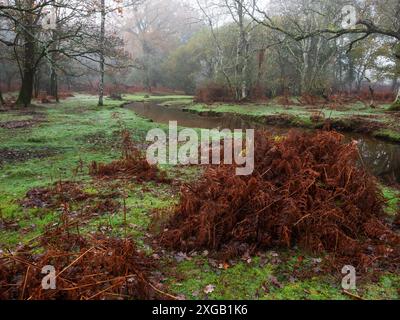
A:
[152,31]
[235,11]
[375,17]
[102,47]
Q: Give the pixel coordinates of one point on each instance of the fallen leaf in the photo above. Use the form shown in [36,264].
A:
[209,289]
[224,266]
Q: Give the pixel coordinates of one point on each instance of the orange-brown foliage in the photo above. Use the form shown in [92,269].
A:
[306,191]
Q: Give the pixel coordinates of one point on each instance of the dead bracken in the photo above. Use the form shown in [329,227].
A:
[306,192]
[71,196]
[132,165]
[94,268]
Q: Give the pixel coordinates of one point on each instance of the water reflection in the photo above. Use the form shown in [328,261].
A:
[381,158]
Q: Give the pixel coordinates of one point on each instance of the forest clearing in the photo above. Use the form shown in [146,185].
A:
[48,193]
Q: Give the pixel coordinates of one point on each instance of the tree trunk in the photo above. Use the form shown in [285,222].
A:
[102,48]
[372,93]
[241,67]
[397,101]
[395,82]
[29,68]
[54,84]
[36,85]
[53,69]
[26,91]
[53,79]
[1,99]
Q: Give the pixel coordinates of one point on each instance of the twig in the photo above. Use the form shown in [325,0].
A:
[105,290]
[354,296]
[75,261]
[25,281]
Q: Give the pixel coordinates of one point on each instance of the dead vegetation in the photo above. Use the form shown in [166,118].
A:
[87,267]
[94,268]
[10,125]
[306,192]
[213,92]
[71,198]
[8,155]
[132,165]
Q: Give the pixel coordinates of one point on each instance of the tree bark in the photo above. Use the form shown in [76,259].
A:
[53,68]
[102,48]
[397,101]
[36,85]
[1,98]
[54,80]
[26,91]
[241,67]
[29,68]
[54,85]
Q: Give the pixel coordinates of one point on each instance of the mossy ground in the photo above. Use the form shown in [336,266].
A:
[81,132]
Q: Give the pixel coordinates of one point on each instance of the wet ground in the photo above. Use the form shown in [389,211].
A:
[380,157]
[8,155]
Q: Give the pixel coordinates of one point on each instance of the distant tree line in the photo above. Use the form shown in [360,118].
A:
[291,47]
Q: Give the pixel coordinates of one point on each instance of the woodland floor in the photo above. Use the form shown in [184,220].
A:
[53,142]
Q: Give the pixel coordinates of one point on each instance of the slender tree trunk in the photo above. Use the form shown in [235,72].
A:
[54,81]
[394,84]
[36,86]
[241,68]
[397,101]
[102,48]
[53,72]
[1,98]
[54,84]
[261,57]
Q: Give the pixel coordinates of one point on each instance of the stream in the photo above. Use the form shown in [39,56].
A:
[380,157]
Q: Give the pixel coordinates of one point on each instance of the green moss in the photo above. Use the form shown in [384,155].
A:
[395,106]
[178,102]
[386,289]
[143,97]
[388,134]
[241,281]
[392,197]
[313,289]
